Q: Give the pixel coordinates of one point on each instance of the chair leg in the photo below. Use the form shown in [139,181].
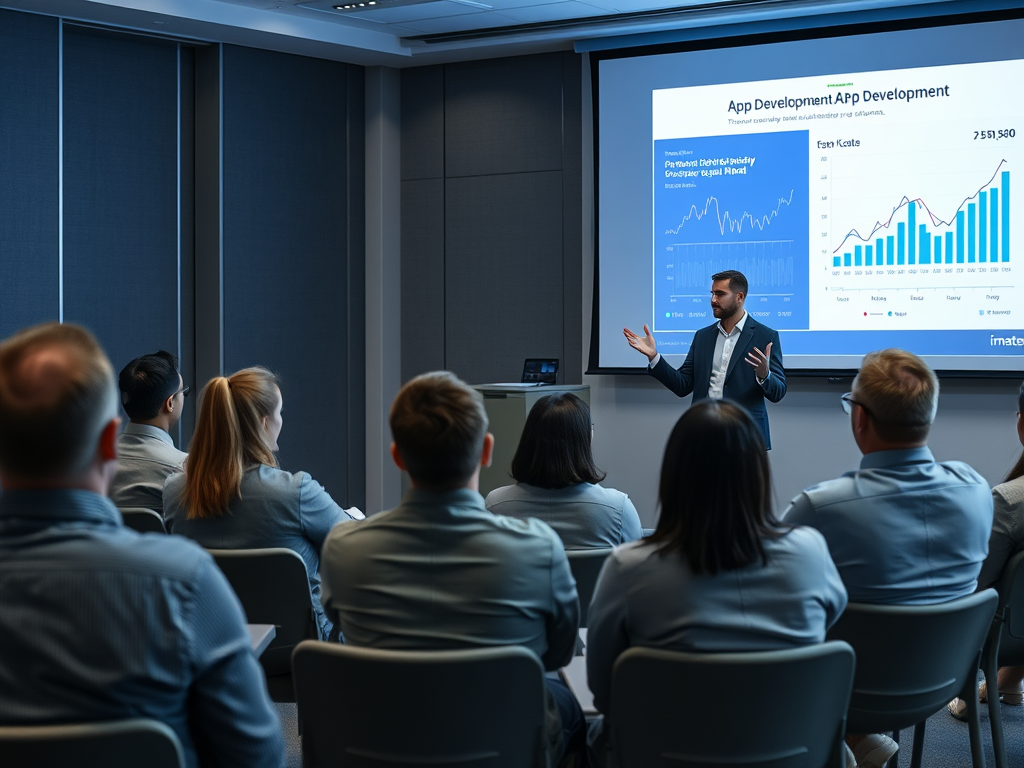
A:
[918,749]
[970,695]
[995,716]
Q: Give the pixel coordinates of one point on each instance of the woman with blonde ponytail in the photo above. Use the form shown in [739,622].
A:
[233,495]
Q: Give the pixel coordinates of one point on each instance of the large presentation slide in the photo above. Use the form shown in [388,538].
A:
[868,208]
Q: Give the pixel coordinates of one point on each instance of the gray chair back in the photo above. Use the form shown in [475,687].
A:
[1005,644]
[683,710]
[142,520]
[912,659]
[117,744]
[474,708]
[586,565]
[273,588]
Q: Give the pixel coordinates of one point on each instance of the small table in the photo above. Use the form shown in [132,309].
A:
[260,636]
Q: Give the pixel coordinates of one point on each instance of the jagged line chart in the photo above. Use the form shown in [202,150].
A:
[726,220]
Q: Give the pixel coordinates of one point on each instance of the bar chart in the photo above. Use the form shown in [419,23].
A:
[978,233]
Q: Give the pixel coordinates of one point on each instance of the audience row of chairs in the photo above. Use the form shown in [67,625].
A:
[667,708]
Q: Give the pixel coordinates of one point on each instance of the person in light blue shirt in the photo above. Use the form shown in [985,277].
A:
[903,529]
[153,395]
[98,622]
[233,495]
[719,573]
[558,482]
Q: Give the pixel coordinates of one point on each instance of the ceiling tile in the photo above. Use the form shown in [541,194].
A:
[554,12]
[461,23]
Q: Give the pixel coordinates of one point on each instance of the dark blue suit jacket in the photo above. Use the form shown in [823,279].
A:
[740,384]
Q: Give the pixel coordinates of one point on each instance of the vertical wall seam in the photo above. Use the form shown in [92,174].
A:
[444,216]
[60,170]
[220,207]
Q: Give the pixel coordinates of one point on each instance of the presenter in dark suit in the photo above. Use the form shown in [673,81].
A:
[712,368]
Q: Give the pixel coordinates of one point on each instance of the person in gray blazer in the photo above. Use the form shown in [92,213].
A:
[233,495]
[720,573]
[558,482]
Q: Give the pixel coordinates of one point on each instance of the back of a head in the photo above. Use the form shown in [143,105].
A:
[555,447]
[900,392]
[56,396]
[228,439]
[715,490]
[146,382]
[438,424]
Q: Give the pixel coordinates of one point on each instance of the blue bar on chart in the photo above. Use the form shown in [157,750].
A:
[993,221]
[959,237]
[938,249]
[1006,215]
[901,237]
[982,227]
[911,229]
[949,247]
[878,252]
[858,258]
[970,233]
[888,249]
[836,262]
[847,260]
[925,251]
[867,256]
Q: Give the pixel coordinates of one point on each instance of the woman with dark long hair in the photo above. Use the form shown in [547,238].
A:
[233,495]
[720,573]
[558,482]
[1007,539]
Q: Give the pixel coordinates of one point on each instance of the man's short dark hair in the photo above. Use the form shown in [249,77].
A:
[146,382]
[737,280]
[438,423]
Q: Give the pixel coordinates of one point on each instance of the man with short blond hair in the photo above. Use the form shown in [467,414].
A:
[904,529]
[439,571]
[97,622]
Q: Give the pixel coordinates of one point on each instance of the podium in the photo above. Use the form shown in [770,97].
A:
[507,407]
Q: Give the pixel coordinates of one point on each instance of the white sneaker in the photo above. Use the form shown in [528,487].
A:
[875,751]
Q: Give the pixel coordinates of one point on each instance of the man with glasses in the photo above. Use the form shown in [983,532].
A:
[153,395]
[904,529]
[736,359]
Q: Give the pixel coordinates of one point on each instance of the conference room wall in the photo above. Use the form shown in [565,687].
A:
[491,258]
[111,135]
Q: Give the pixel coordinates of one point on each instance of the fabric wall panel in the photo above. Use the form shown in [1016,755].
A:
[503,115]
[285,257]
[29,170]
[423,277]
[423,122]
[503,273]
[121,191]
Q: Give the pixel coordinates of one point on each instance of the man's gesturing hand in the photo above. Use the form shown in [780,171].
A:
[758,360]
[644,344]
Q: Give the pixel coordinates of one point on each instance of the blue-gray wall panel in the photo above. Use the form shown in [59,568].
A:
[120,191]
[503,115]
[503,274]
[423,269]
[423,122]
[285,234]
[29,165]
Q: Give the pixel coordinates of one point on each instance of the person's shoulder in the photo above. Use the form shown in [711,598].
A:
[155,554]
[963,472]
[504,493]
[1011,492]
[525,530]
[610,496]
[802,539]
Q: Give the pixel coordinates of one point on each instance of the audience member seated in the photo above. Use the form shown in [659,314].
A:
[557,481]
[441,572]
[98,622]
[232,494]
[904,529]
[1007,540]
[153,395]
[720,573]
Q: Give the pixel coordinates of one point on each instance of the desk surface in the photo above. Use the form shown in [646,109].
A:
[260,636]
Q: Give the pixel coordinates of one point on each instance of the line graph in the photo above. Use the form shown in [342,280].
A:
[735,225]
[731,202]
[977,231]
